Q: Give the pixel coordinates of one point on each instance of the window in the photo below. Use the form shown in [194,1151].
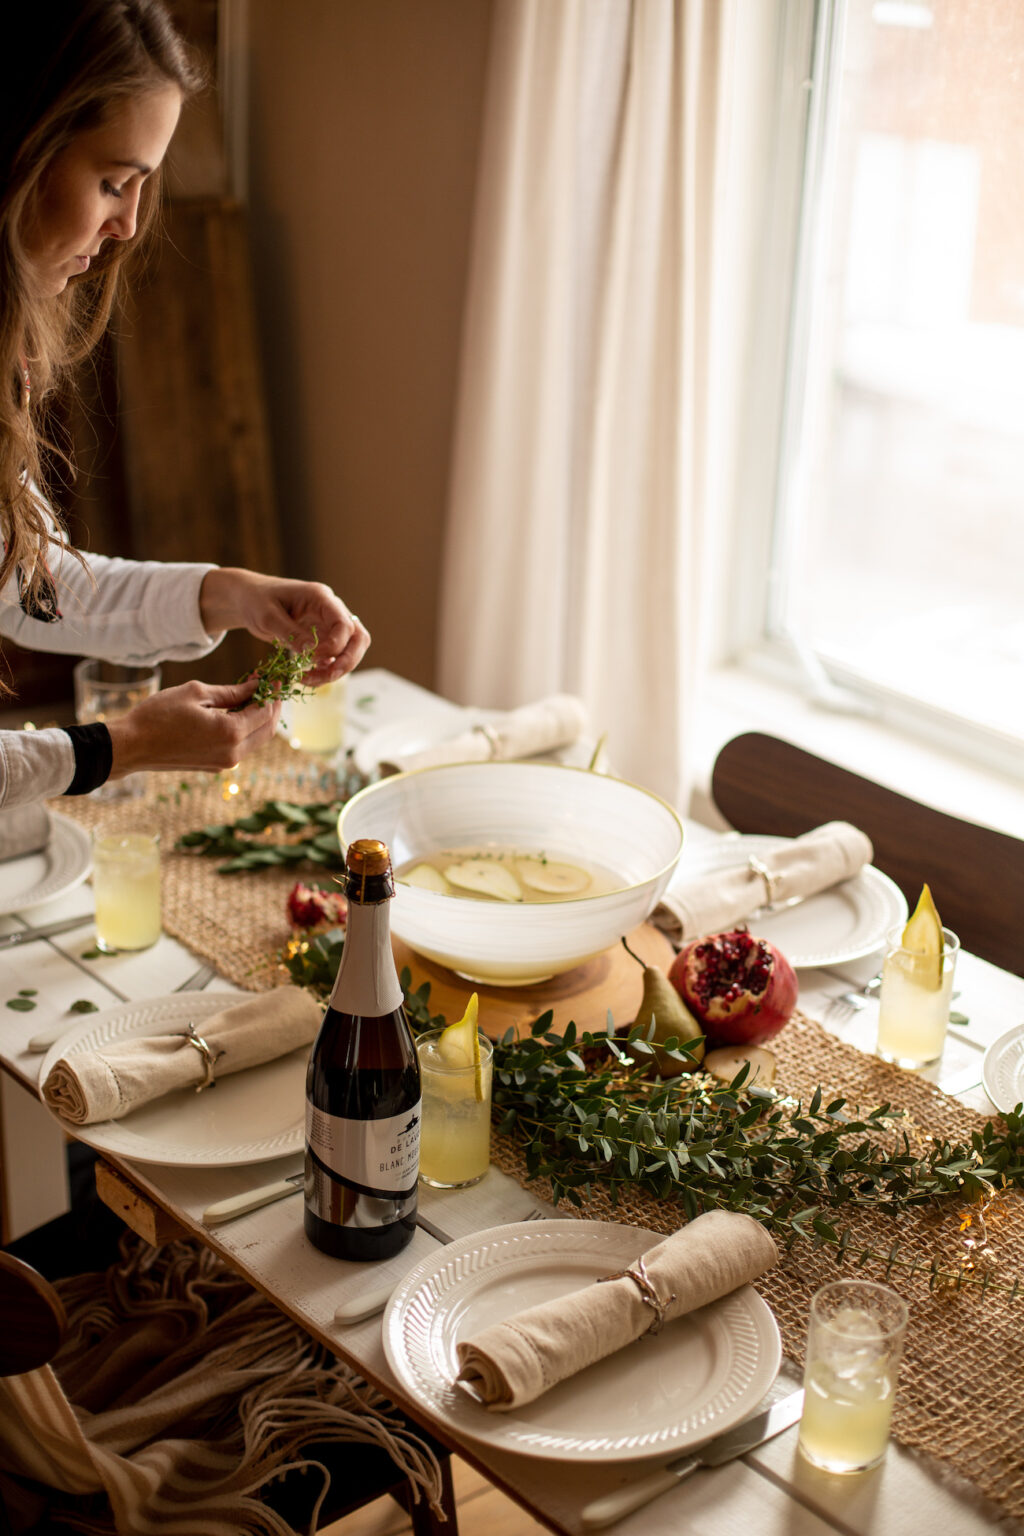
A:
[897,558]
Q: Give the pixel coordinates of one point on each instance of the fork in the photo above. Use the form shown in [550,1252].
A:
[42,1041]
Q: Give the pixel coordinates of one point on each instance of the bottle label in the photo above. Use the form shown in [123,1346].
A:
[367,983]
[379,1156]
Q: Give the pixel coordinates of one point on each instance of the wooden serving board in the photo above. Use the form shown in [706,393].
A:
[610,980]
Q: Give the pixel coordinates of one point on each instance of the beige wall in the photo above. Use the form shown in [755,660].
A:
[365,118]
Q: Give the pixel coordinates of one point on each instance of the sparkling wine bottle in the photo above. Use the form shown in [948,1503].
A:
[363,1085]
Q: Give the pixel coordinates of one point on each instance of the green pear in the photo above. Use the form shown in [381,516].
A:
[672,1019]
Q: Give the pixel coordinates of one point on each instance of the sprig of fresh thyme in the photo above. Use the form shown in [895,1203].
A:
[279,675]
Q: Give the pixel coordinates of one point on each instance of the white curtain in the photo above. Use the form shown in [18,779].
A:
[575,549]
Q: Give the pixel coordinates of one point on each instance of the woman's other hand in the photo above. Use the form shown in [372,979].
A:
[197,726]
[274,608]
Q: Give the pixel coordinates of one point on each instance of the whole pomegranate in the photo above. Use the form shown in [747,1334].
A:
[741,988]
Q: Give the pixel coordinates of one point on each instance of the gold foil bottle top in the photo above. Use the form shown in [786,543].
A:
[367,856]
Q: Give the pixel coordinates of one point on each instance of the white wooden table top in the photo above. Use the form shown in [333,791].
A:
[771,1492]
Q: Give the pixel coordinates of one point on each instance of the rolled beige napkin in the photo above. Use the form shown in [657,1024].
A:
[108,1084]
[514,1362]
[524,732]
[711,903]
[24,829]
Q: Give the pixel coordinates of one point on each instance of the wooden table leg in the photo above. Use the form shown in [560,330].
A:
[136,1210]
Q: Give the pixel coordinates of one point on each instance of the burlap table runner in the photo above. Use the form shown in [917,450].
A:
[960,1395]
[237,922]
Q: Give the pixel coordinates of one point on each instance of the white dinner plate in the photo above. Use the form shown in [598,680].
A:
[63,863]
[247,1117]
[1002,1071]
[845,923]
[699,1376]
[415,733]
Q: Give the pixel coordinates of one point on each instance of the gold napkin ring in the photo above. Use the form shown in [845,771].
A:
[648,1295]
[492,738]
[210,1060]
[771,882]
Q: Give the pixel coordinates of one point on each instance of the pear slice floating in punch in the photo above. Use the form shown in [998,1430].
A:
[552,878]
[428,879]
[485,877]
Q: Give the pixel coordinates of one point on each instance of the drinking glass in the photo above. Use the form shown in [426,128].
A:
[104,690]
[913,1004]
[455,1136]
[316,718]
[126,888]
[854,1344]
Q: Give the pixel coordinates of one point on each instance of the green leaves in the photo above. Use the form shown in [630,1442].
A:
[246,845]
[586,1113]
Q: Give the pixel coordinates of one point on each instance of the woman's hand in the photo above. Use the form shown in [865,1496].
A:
[273,608]
[191,728]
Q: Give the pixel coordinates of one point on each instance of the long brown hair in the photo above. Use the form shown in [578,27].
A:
[75,60]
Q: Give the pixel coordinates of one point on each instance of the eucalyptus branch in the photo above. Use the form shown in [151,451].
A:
[588,1113]
[248,844]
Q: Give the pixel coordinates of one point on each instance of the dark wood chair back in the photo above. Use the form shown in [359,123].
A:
[763,784]
[33,1316]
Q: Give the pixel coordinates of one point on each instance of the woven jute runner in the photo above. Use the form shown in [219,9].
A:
[237,922]
[960,1398]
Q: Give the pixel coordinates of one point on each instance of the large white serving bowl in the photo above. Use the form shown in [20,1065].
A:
[569,813]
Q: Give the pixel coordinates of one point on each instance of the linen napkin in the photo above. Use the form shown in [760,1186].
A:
[108,1084]
[525,732]
[714,902]
[514,1362]
[24,829]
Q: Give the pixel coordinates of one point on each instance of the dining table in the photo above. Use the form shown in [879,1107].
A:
[771,1490]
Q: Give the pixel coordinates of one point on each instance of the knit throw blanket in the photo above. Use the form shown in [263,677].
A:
[178,1393]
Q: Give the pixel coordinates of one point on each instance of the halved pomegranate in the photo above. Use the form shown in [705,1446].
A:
[312,906]
[740,988]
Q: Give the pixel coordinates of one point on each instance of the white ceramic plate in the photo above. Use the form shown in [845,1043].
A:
[248,1117]
[64,863]
[415,733]
[702,1374]
[1002,1071]
[845,923]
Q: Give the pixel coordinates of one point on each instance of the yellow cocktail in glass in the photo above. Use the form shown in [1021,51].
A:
[455,1137]
[126,888]
[914,1002]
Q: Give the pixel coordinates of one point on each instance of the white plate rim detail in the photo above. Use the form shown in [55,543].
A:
[996,1059]
[158,1015]
[70,853]
[431,1289]
[873,889]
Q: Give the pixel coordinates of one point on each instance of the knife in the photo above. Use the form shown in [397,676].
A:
[241,1205]
[735,1442]
[28,935]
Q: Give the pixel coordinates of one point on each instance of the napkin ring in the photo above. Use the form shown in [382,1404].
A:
[771,882]
[659,1305]
[210,1059]
[491,737]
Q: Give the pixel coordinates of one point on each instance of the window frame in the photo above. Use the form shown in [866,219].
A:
[793,155]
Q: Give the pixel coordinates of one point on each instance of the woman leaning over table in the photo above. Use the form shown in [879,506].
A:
[91,100]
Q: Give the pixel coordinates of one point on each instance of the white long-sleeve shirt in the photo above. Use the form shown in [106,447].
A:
[139,612]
